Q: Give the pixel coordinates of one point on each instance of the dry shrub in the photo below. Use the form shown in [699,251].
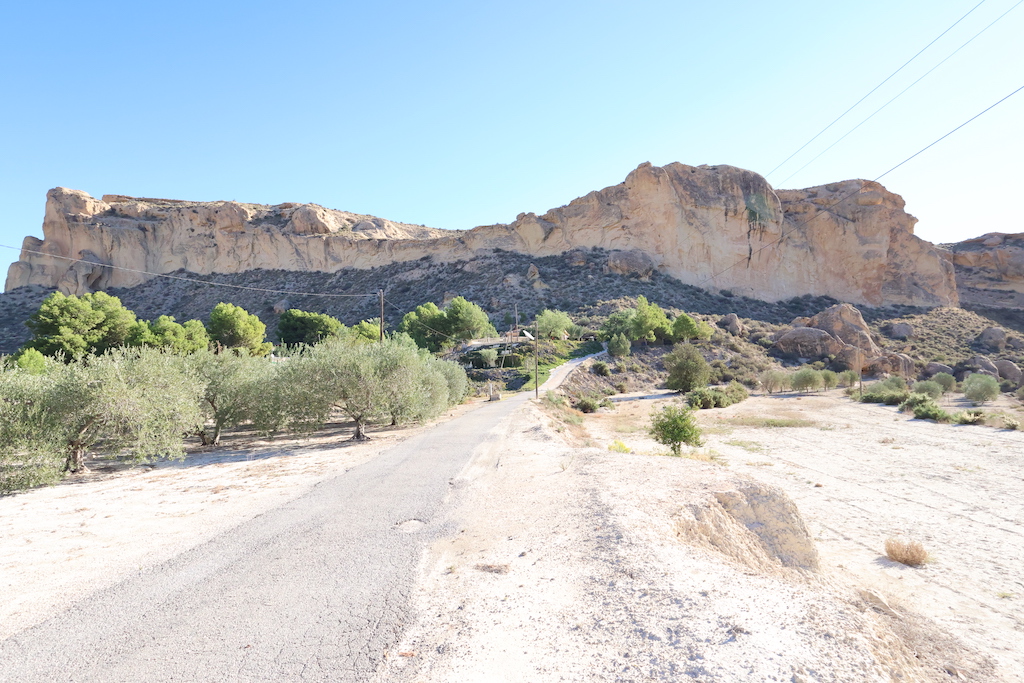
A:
[910,553]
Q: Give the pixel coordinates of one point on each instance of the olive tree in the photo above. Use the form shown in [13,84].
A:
[30,452]
[980,388]
[139,402]
[237,388]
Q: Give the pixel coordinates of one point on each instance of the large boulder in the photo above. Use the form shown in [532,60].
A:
[808,342]
[901,330]
[845,323]
[993,338]
[982,364]
[891,364]
[850,358]
[732,324]
[1008,370]
[933,368]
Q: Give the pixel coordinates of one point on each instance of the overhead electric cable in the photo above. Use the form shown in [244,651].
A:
[186,279]
[900,93]
[845,197]
[870,92]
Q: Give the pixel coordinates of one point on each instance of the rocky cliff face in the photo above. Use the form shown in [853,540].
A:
[990,269]
[717,227]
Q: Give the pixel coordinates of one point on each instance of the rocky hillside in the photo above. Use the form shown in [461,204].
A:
[499,281]
[718,227]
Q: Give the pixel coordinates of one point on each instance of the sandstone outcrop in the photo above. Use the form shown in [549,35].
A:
[732,324]
[808,342]
[717,227]
[933,368]
[990,269]
[901,331]
[993,337]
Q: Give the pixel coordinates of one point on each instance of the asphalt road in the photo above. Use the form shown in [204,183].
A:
[315,590]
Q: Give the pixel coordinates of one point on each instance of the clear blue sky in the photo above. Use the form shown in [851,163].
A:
[456,114]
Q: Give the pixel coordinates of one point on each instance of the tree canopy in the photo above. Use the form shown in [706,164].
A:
[553,324]
[234,327]
[431,327]
[165,332]
[75,326]
[303,327]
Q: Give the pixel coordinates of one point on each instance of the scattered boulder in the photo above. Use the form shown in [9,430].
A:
[1015,343]
[632,262]
[934,368]
[575,257]
[532,273]
[732,324]
[982,364]
[901,330]
[845,323]
[1009,370]
[801,321]
[993,338]
[808,342]
[850,358]
[282,306]
[891,364]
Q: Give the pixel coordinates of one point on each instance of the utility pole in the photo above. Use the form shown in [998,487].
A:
[536,360]
[380,293]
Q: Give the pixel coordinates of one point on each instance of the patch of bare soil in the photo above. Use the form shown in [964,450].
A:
[639,566]
[61,543]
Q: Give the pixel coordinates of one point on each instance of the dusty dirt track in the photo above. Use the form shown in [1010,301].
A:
[573,562]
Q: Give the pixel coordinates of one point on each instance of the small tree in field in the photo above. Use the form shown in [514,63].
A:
[806,379]
[553,324]
[618,346]
[674,426]
[981,388]
[829,379]
[687,369]
[773,380]
[945,380]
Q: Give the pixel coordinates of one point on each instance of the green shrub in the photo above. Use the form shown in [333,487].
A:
[893,383]
[687,369]
[619,447]
[489,357]
[600,369]
[736,392]
[620,387]
[913,401]
[674,426]
[829,379]
[587,405]
[931,389]
[1020,394]
[553,399]
[981,389]
[889,397]
[972,416]
[1010,422]
[945,380]
[705,398]
[805,379]
[930,410]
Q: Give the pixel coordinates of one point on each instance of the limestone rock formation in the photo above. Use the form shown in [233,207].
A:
[993,337]
[901,330]
[716,227]
[632,262]
[933,368]
[990,269]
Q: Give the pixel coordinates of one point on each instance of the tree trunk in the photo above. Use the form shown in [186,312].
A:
[360,432]
[76,458]
[205,438]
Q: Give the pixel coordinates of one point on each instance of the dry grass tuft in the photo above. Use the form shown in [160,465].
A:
[910,553]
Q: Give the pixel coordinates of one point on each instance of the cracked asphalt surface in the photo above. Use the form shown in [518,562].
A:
[314,590]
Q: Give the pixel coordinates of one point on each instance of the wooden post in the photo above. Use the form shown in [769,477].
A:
[536,360]
[380,293]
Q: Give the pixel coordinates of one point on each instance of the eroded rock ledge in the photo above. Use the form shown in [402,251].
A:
[717,227]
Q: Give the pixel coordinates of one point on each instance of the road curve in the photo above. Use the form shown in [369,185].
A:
[314,590]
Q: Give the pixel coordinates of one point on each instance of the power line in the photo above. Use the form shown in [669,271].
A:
[845,197]
[188,279]
[887,79]
[900,93]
